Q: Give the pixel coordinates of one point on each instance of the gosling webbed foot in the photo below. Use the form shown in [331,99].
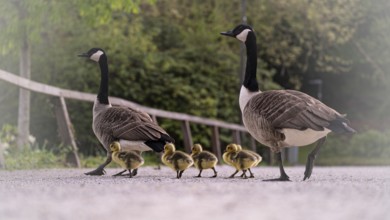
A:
[97,172]
[135,172]
[200,173]
[215,173]
[232,176]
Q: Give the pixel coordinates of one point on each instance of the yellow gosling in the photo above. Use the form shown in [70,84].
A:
[258,158]
[203,159]
[128,160]
[177,160]
[240,160]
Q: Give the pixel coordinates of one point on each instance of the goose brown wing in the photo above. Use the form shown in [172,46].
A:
[130,124]
[294,109]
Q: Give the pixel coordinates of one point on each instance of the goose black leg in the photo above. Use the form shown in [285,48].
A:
[311,157]
[120,173]
[232,176]
[283,175]
[215,173]
[100,170]
[200,172]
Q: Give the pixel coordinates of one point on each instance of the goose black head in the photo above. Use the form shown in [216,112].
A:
[240,32]
[94,54]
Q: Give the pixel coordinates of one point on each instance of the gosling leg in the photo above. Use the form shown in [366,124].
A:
[215,172]
[120,173]
[181,173]
[311,157]
[244,173]
[200,172]
[232,176]
[251,176]
[177,174]
[130,173]
[283,175]
[100,170]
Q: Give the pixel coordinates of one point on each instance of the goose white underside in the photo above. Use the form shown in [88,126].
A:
[296,138]
[134,145]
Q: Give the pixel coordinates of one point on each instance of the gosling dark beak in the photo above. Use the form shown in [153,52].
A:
[83,55]
[228,33]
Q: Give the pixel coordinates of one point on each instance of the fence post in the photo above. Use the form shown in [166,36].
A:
[252,143]
[65,129]
[187,137]
[216,144]
[236,137]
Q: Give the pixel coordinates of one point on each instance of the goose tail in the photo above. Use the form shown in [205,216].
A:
[158,145]
[341,126]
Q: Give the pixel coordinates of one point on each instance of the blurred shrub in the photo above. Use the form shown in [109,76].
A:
[371,147]
[33,159]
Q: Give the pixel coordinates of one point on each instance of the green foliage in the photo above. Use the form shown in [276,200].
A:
[367,148]
[33,159]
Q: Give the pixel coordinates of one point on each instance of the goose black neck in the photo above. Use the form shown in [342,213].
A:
[250,81]
[103,90]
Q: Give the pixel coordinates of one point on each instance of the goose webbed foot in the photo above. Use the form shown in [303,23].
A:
[283,175]
[98,172]
[281,178]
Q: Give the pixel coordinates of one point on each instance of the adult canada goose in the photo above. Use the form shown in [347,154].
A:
[177,160]
[256,155]
[241,160]
[203,159]
[128,160]
[134,130]
[283,118]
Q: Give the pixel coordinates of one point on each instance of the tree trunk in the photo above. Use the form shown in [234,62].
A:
[24,97]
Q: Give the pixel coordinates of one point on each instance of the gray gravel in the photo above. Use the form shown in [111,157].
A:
[331,193]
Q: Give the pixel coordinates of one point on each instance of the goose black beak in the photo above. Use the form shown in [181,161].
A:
[228,33]
[83,55]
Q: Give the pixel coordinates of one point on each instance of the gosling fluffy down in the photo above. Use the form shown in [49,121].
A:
[177,160]
[240,160]
[203,159]
[128,160]
[258,157]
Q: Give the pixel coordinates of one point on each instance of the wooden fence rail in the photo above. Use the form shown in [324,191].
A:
[65,126]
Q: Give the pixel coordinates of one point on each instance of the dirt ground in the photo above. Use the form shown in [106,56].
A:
[331,193]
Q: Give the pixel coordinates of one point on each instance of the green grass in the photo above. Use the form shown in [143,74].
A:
[43,159]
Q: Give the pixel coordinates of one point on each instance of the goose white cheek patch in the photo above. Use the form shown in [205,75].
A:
[96,56]
[243,35]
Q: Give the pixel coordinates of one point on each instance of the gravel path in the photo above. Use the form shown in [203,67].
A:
[332,193]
